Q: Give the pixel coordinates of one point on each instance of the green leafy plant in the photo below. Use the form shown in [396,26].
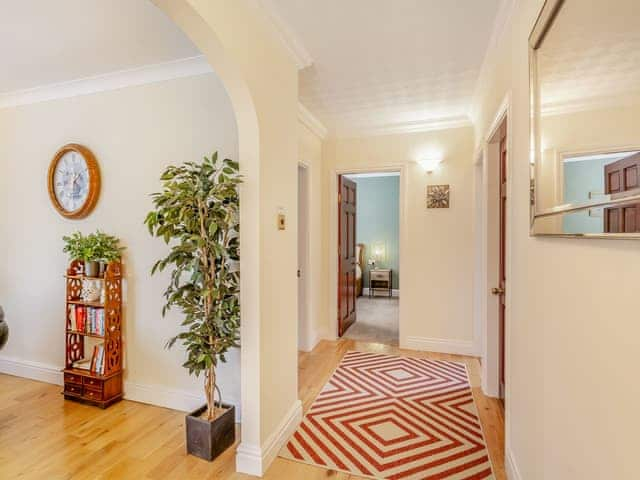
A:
[95,247]
[106,248]
[197,213]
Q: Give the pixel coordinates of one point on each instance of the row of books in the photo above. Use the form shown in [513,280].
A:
[86,319]
[96,363]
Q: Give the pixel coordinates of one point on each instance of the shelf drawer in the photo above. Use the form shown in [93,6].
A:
[73,389]
[380,276]
[92,383]
[72,378]
[92,394]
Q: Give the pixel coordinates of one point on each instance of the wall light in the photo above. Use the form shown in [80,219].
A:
[429,164]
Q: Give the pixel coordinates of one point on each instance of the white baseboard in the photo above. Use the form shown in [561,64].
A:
[33,370]
[395,292]
[254,460]
[151,394]
[458,347]
[510,466]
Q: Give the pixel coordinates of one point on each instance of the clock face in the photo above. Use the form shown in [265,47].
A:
[74,181]
[71,181]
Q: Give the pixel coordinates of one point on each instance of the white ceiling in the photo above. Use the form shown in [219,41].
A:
[388,65]
[45,41]
[378,66]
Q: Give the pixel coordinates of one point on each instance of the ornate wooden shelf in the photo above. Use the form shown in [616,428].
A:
[86,334]
[96,388]
[86,304]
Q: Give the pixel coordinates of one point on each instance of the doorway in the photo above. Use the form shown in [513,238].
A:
[493,286]
[368,257]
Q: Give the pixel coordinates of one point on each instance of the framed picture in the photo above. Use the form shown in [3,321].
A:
[437,196]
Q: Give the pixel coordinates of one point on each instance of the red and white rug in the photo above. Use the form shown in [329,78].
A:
[384,416]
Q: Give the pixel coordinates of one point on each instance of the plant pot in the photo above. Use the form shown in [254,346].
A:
[207,439]
[102,269]
[91,269]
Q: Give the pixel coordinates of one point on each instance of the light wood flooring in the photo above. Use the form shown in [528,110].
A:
[44,437]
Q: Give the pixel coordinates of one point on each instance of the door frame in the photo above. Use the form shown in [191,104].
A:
[308,342]
[487,311]
[333,240]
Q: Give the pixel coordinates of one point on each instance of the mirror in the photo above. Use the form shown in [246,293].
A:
[585,105]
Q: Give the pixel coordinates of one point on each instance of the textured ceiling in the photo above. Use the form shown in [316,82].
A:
[380,65]
[590,57]
[45,41]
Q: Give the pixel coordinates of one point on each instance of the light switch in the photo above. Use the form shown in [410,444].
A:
[281,221]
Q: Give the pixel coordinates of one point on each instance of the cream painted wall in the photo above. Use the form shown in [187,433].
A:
[436,255]
[135,133]
[572,328]
[310,154]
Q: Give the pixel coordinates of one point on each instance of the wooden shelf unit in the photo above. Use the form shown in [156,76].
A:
[84,385]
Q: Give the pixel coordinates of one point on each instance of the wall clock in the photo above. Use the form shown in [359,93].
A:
[74,181]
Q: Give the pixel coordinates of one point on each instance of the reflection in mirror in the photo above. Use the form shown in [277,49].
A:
[586,138]
[619,219]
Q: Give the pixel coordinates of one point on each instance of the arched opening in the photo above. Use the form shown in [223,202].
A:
[206,39]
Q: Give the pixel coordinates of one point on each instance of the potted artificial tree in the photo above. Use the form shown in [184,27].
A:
[197,214]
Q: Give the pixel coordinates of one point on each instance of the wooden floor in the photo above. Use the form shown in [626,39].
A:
[44,437]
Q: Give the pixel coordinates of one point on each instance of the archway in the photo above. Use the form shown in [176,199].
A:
[261,81]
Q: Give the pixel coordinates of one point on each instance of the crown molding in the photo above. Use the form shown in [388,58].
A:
[287,36]
[158,72]
[311,122]
[503,16]
[409,127]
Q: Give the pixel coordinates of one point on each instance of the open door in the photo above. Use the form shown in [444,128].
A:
[346,254]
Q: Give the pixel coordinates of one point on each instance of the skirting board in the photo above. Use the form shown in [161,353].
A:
[395,292]
[510,466]
[254,460]
[457,347]
[151,394]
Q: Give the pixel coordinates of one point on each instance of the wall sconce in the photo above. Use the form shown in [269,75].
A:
[430,164]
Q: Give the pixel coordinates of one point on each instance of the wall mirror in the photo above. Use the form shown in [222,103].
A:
[585,119]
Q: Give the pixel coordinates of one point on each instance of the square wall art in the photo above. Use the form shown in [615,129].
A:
[437,196]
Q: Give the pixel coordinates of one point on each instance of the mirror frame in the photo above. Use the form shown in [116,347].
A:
[543,23]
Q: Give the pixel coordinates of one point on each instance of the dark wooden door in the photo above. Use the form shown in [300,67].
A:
[346,254]
[620,177]
[502,280]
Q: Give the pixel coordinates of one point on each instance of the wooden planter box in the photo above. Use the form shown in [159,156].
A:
[207,439]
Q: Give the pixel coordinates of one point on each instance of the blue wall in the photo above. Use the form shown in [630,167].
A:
[377,220]
[580,178]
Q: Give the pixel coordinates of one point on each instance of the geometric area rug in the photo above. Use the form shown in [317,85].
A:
[391,417]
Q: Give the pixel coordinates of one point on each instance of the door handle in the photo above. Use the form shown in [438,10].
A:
[497,291]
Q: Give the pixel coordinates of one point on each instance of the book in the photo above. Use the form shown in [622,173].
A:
[84,364]
[71,321]
[80,318]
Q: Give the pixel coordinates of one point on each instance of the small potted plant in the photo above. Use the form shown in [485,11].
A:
[106,249]
[197,213]
[92,249]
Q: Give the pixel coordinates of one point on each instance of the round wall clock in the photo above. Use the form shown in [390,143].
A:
[74,181]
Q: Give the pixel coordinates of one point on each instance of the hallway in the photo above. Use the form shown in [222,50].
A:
[41,445]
